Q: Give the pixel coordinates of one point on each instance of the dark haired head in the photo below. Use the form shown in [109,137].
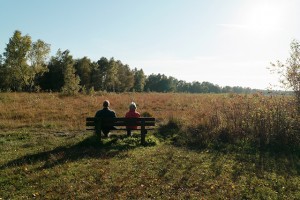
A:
[106,104]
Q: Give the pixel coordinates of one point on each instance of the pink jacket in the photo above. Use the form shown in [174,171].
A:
[132,114]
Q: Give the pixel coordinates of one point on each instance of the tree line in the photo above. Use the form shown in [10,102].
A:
[25,66]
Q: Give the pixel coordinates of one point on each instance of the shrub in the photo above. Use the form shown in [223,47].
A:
[263,121]
[170,129]
[146,114]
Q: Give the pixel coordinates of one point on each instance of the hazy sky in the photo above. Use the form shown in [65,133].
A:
[226,42]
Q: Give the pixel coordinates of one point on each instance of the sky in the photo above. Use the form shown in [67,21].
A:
[229,43]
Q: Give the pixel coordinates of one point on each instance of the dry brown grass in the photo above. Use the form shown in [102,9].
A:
[229,116]
[51,110]
[69,112]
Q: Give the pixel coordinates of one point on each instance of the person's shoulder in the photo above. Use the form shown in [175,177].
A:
[127,114]
[112,111]
[98,113]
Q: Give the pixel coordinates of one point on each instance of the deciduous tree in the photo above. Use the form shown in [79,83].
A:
[15,61]
[37,56]
[290,71]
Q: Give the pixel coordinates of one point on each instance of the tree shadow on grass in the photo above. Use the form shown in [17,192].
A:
[284,163]
[90,147]
[251,159]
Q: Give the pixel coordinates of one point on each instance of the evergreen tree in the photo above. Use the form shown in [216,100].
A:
[61,75]
[53,79]
[71,80]
[96,77]
[83,70]
[100,74]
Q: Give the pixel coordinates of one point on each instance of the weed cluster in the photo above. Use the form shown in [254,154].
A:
[265,121]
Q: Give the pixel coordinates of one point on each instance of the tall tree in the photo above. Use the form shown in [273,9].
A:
[53,79]
[196,87]
[71,80]
[139,80]
[99,75]
[83,69]
[183,86]
[125,78]
[15,55]
[152,83]
[4,76]
[61,75]
[96,77]
[111,76]
[160,83]
[210,88]
[38,54]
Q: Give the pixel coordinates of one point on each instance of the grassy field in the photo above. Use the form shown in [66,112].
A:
[47,154]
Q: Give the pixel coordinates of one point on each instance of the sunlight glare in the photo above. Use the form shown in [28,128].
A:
[265,17]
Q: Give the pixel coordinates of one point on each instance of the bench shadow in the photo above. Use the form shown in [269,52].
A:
[90,147]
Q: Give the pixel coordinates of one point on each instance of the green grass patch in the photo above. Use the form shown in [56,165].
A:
[44,165]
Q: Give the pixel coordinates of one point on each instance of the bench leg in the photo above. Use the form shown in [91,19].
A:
[143,137]
[128,132]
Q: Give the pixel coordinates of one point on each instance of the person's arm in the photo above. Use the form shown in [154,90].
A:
[96,115]
[137,114]
[97,127]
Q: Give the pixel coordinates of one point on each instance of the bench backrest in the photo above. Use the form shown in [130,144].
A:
[120,121]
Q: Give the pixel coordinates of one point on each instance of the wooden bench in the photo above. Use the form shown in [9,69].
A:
[120,123]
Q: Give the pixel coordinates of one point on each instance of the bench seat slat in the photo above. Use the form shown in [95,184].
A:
[90,121]
[121,129]
[124,119]
[122,124]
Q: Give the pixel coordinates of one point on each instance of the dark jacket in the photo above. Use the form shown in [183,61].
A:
[105,113]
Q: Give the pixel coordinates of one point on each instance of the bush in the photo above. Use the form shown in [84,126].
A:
[195,136]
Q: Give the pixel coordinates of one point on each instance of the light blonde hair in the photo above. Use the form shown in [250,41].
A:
[132,106]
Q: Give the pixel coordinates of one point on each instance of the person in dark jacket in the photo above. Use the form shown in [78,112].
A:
[105,113]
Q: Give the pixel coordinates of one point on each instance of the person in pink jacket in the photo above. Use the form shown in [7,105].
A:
[132,113]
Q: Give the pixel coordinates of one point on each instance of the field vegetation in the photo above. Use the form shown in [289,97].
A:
[206,146]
